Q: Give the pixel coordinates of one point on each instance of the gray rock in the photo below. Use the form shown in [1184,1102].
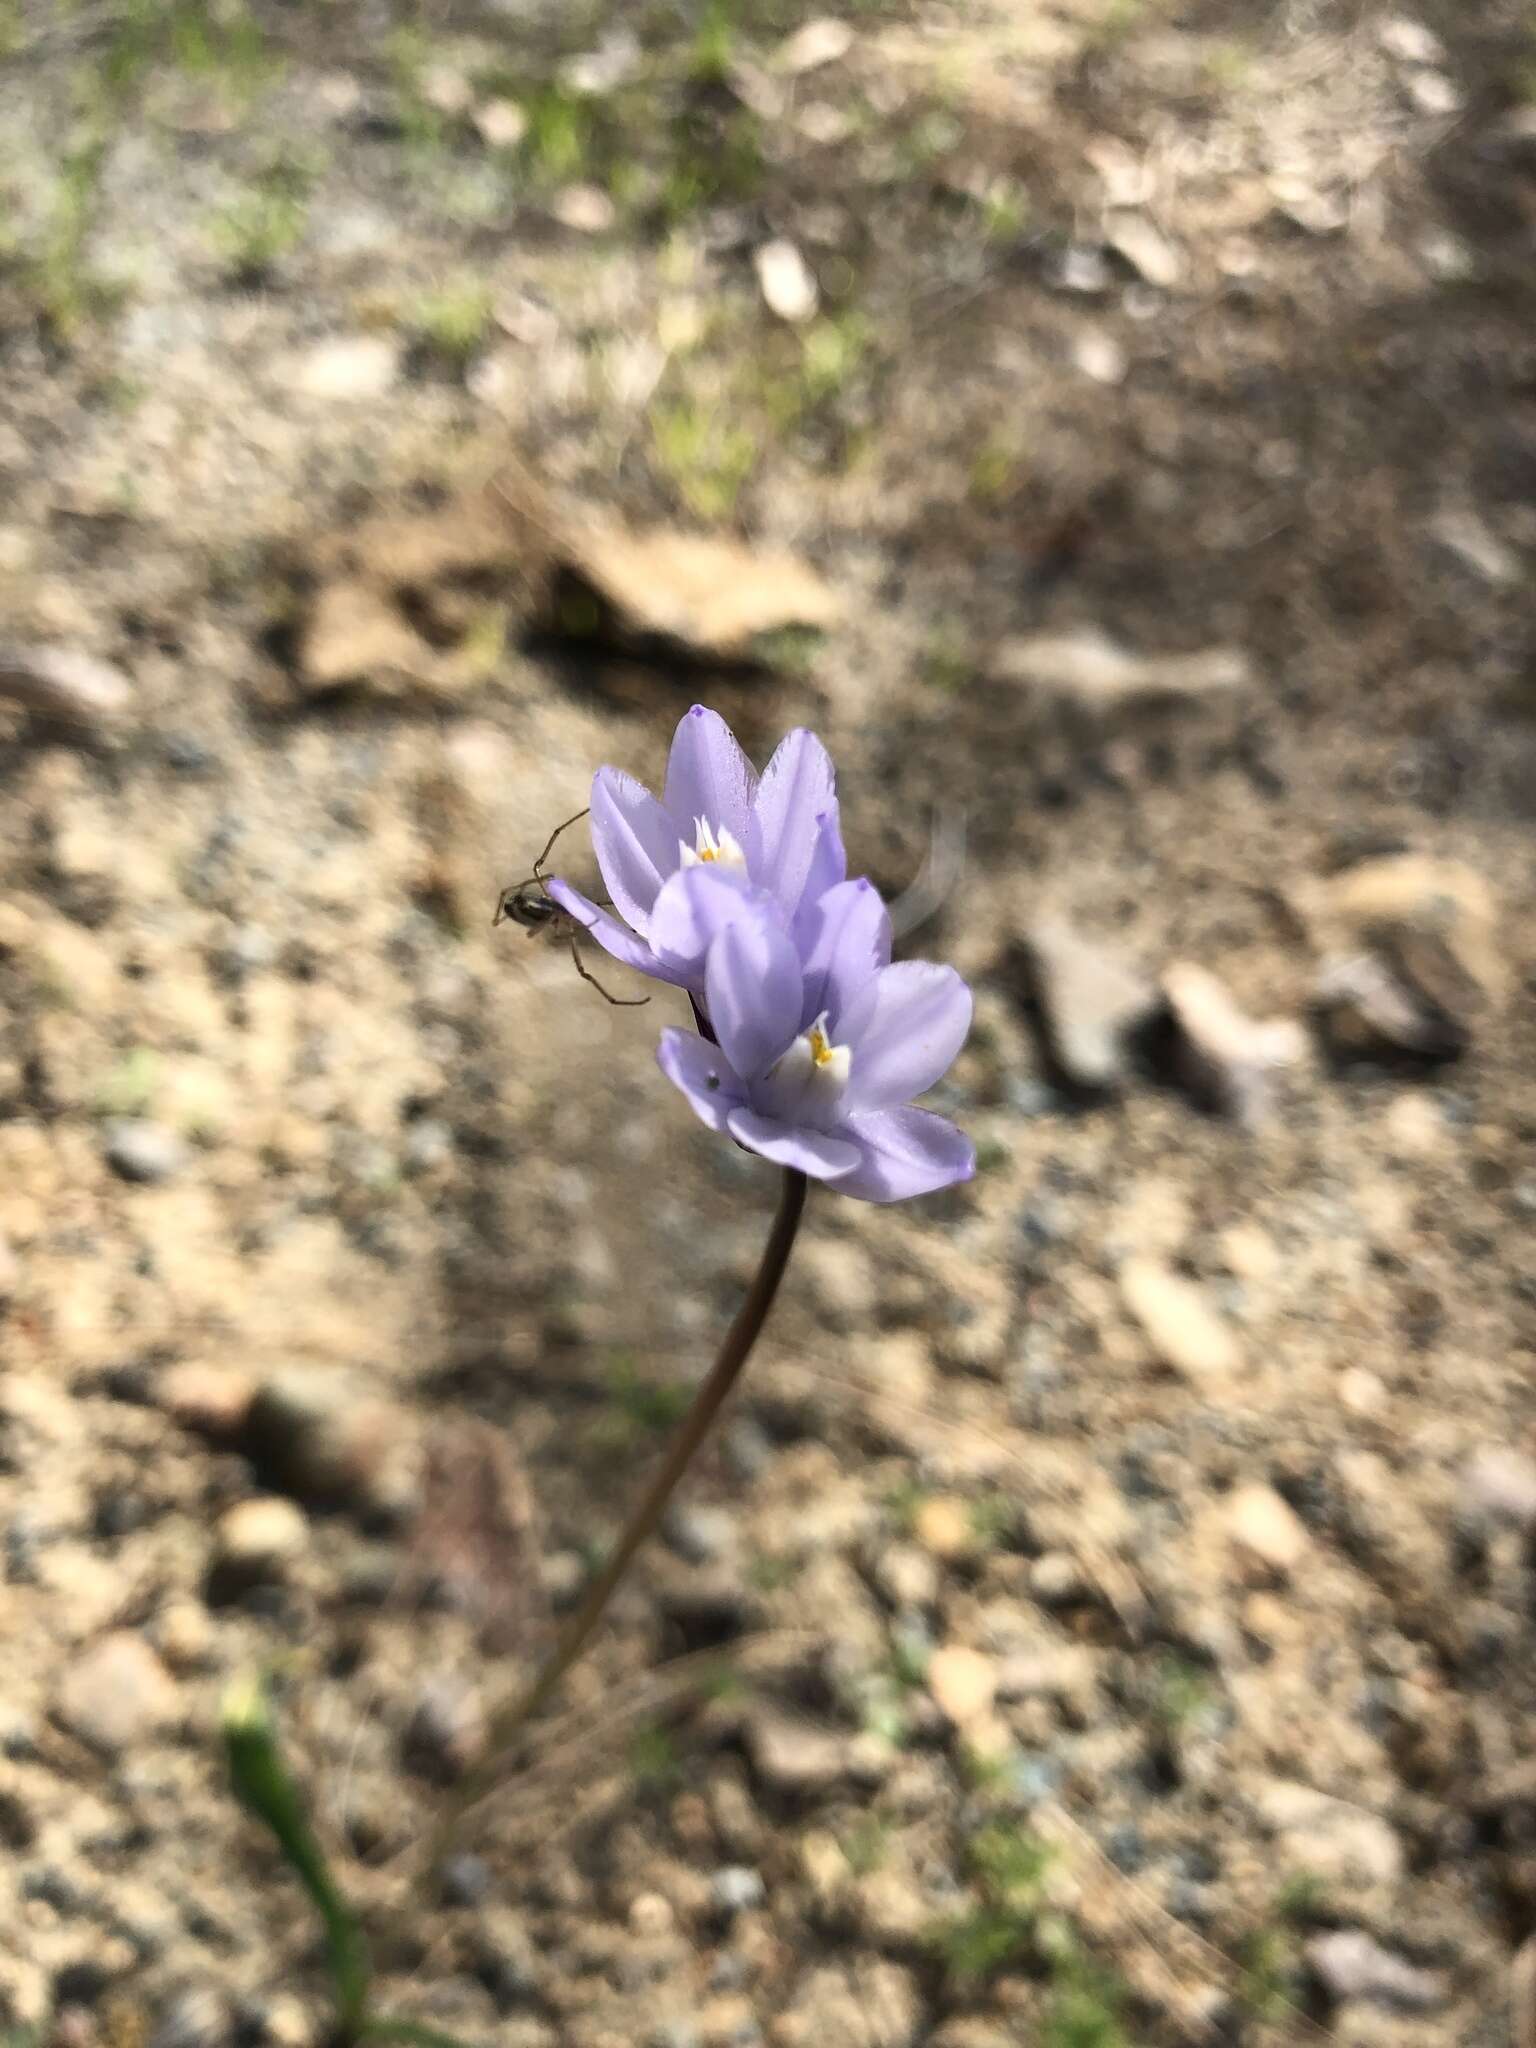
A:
[1341,1843]
[748,1447]
[908,1577]
[326,1440]
[736,1888]
[674,2033]
[507,1962]
[700,1534]
[140,1150]
[1367,1008]
[466,1880]
[1089,670]
[197,2016]
[428,1145]
[1088,1003]
[445,1734]
[795,1756]
[1498,1485]
[1224,1060]
[63,683]
[563,1576]
[116,1693]
[1351,1964]
[1056,1580]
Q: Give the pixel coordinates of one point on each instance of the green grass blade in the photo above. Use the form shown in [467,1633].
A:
[409,2032]
[265,1787]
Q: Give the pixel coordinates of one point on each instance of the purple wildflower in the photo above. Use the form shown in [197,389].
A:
[778,834]
[821,1041]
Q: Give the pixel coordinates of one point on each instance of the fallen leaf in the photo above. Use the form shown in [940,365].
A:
[352,634]
[715,595]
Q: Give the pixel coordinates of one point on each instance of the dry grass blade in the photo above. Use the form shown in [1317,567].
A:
[1182,1964]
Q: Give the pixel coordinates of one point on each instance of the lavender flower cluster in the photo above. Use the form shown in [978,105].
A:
[811,1041]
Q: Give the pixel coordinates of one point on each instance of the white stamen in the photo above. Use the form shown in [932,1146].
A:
[722,846]
[808,1079]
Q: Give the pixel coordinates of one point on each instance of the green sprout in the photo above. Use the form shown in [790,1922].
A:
[451,323]
[559,135]
[256,232]
[267,1789]
[129,1088]
[654,1759]
[705,457]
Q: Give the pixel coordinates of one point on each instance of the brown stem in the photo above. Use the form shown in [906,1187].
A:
[508,1722]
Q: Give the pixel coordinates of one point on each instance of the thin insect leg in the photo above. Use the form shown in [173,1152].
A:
[538,866]
[502,913]
[619,1002]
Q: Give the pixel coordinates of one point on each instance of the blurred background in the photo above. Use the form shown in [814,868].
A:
[1106,1616]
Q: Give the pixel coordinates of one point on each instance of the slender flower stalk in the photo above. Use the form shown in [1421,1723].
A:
[508,1722]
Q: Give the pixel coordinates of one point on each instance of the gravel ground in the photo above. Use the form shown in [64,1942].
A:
[1106,1615]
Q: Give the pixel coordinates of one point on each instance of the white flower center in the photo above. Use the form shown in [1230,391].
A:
[721,846]
[806,1082]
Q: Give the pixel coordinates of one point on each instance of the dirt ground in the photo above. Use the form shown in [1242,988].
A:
[1107,1614]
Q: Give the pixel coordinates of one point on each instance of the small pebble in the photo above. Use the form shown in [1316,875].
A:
[1499,1485]
[1265,1529]
[795,1756]
[258,1540]
[446,1732]
[650,1915]
[1179,1323]
[1353,1965]
[194,2017]
[350,367]
[563,1575]
[943,1526]
[428,1146]
[466,1880]
[184,1635]
[700,1534]
[737,1888]
[963,1681]
[63,683]
[117,1692]
[145,1152]
[1055,1579]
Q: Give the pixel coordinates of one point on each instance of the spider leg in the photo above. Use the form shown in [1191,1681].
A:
[619,1002]
[538,866]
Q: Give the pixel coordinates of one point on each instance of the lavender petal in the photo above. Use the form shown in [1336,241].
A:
[905,1028]
[703,1074]
[635,842]
[708,777]
[752,989]
[612,936]
[905,1152]
[845,940]
[793,800]
[818,1153]
[694,907]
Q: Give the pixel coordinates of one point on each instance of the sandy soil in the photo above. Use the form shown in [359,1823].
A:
[1107,1614]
